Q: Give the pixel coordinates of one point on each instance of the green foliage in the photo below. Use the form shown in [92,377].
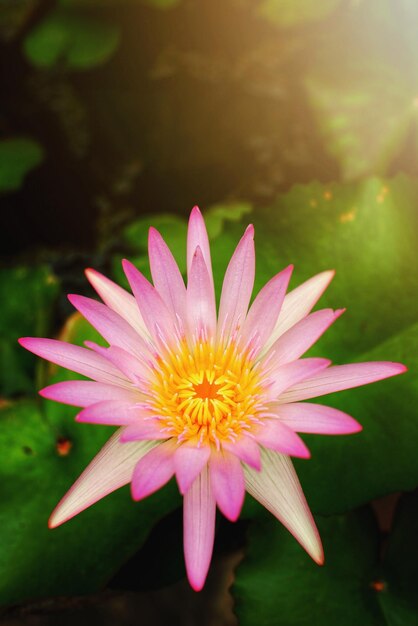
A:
[33,478]
[368,233]
[81,555]
[278,585]
[27,296]
[17,158]
[292,12]
[364,91]
[71,40]
[135,237]
[218,215]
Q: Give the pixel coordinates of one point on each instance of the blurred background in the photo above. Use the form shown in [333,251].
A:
[297,115]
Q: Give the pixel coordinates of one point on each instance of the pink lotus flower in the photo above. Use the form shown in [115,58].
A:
[213,399]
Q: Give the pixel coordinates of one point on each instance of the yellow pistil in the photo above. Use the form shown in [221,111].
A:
[206,394]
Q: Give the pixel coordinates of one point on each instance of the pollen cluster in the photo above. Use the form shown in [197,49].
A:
[207,394]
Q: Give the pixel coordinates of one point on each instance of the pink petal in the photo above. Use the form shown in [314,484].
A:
[299,302]
[110,469]
[201,306]
[118,299]
[199,529]
[166,275]
[339,377]
[306,417]
[109,324]
[246,449]
[227,480]
[132,367]
[144,429]
[155,313]
[188,462]
[237,286]
[278,489]
[153,470]
[277,436]
[289,374]
[298,339]
[198,236]
[75,358]
[86,392]
[265,309]
[110,412]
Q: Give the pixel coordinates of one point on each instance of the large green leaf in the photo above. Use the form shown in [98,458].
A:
[71,40]
[278,585]
[42,452]
[368,233]
[17,158]
[27,296]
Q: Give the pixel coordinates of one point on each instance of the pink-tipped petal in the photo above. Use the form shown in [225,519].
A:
[298,339]
[75,358]
[278,489]
[110,412]
[246,449]
[132,367]
[199,529]
[166,275]
[292,373]
[154,311]
[110,469]
[227,480]
[118,299]
[265,309]
[300,302]
[201,306]
[144,429]
[277,436]
[306,417]
[109,324]
[189,462]
[339,377]
[86,392]
[198,236]
[153,470]
[237,286]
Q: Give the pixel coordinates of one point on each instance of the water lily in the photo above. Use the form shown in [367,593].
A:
[215,399]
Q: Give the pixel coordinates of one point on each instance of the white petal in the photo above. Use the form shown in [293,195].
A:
[299,302]
[277,487]
[110,469]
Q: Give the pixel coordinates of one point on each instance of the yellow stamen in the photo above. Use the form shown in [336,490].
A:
[206,394]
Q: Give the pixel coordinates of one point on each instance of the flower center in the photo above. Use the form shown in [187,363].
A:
[206,394]
[207,390]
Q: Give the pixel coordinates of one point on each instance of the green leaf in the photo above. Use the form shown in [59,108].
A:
[219,214]
[292,12]
[43,451]
[71,40]
[368,233]
[80,556]
[277,584]
[27,296]
[17,158]
[135,236]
